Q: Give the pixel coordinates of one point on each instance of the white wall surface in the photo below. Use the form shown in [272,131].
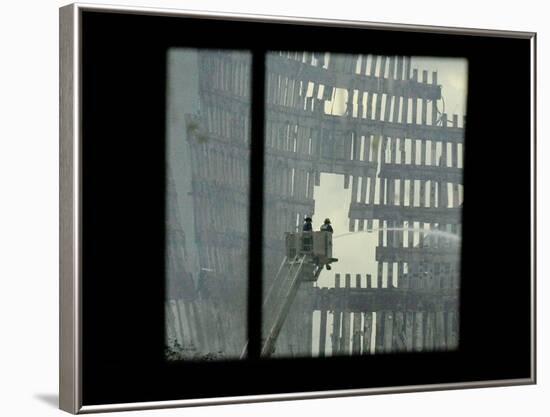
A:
[29,207]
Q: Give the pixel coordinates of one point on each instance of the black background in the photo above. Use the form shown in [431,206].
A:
[123,153]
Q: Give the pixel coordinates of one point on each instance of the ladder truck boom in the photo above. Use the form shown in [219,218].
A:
[307,253]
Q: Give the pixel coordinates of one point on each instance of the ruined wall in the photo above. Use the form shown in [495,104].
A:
[399,157]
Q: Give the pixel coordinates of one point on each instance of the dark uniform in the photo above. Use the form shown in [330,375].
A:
[326,227]
[307,238]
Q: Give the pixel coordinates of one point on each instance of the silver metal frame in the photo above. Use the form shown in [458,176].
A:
[70,177]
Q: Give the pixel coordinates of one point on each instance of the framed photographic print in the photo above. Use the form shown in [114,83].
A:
[257,208]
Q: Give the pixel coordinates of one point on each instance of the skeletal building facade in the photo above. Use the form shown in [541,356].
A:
[400,157]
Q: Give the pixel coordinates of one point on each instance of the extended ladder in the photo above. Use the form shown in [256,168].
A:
[278,301]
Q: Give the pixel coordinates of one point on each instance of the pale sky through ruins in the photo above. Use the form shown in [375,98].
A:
[356,252]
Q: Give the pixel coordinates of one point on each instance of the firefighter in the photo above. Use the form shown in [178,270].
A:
[326,227]
[307,225]
[307,238]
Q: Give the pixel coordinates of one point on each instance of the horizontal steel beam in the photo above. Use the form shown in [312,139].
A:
[422,172]
[379,299]
[341,125]
[442,215]
[417,255]
[329,77]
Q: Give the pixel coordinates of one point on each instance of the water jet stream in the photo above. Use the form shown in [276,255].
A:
[433,232]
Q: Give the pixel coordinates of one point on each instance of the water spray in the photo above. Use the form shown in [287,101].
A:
[433,232]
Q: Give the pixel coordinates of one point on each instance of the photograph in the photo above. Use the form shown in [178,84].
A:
[363,195]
